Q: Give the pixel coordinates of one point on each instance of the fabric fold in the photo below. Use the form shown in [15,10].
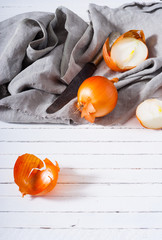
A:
[41,52]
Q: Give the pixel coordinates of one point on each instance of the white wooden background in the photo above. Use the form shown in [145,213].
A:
[110,183]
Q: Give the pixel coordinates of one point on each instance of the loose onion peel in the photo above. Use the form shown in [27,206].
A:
[97,96]
[149,113]
[34,176]
[128,51]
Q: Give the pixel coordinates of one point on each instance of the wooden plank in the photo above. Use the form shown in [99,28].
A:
[85,210]
[81,148]
[73,234]
[81,220]
[81,135]
[92,190]
[94,161]
[80,204]
[94,176]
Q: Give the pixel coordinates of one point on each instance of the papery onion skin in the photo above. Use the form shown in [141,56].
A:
[138,34]
[34,176]
[97,96]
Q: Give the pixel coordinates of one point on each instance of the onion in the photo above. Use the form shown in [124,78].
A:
[34,176]
[97,96]
[149,113]
[128,51]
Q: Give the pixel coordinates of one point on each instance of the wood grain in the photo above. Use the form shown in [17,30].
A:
[110,182]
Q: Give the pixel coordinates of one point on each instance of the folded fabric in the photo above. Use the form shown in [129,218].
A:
[41,52]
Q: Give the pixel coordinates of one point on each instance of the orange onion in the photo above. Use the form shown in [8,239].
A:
[97,96]
[128,51]
[34,176]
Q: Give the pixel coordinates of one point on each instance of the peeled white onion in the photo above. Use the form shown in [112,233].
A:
[149,113]
[128,52]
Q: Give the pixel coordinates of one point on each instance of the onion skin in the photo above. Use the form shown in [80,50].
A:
[108,60]
[34,176]
[97,96]
[138,34]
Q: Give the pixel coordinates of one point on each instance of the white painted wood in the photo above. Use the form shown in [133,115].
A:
[73,234]
[81,204]
[98,176]
[84,161]
[110,182]
[81,135]
[92,190]
[120,161]
[79,190]
[81,220]
[81,148]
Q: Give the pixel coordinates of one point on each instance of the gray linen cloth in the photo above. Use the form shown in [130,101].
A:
[41,52]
